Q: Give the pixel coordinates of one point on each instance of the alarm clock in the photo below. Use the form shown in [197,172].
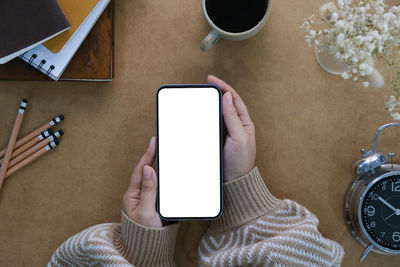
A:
[372,203]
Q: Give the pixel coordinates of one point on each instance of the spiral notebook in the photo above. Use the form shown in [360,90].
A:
[53,57]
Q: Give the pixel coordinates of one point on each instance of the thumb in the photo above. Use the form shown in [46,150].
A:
[147,200]
[231,117]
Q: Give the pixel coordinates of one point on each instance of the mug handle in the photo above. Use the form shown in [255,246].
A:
[210,40]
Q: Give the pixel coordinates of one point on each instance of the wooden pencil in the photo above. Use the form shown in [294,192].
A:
[32,157]
[35,148]
[35,133]
[29,144]
[13,139]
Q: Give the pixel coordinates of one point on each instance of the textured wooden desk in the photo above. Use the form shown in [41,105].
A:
[310,127]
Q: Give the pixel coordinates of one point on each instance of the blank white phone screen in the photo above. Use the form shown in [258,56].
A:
[189,152]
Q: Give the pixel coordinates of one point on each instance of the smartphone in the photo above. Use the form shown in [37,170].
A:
[189,152]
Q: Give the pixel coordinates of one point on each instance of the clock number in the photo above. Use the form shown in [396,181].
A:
[396,186]
[370,211]
[373,224]
[396,236]
[383,234]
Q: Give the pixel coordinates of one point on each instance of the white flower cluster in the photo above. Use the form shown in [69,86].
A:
[357,31]
[393,106]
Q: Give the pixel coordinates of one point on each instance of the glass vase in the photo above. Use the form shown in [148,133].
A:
[326,58]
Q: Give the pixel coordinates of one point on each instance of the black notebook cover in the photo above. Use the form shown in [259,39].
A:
[24,23]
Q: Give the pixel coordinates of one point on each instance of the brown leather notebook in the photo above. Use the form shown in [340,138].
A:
[25,24]
[92,62]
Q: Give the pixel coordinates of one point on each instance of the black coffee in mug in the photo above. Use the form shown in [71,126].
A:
[236,15]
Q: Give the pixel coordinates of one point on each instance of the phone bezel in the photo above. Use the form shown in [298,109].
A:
[188,86]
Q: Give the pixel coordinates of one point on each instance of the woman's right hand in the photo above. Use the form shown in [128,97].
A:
[139,202]
[240,144]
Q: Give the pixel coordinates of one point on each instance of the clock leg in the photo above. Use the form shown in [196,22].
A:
[366,251]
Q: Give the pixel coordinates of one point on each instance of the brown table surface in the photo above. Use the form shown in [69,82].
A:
[310,127]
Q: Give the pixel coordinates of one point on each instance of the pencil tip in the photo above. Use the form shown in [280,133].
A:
[56,141]
[25,100]
[61,132]
[61,117]
[50,131]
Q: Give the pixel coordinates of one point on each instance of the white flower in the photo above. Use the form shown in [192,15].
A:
[371,47]
[373,35]
[393,107]
[340,40]
[362,54]
[345,76]
[384,28]
[396,116]
[327,10]
[365,84]
[391,103]
[359,40]
[334,17]
[368,38]
[340,23]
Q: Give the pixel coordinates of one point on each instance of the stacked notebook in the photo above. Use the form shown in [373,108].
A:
[66,28]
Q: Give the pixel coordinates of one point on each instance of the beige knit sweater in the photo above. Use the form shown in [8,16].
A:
[256,229]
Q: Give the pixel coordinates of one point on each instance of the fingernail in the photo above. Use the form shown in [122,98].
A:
[146,172]
[229,98]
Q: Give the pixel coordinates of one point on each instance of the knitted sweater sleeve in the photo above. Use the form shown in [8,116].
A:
[112,244]
[257,229]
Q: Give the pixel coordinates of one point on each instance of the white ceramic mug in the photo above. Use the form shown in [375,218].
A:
[217,33]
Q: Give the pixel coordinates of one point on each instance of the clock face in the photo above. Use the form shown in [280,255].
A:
[380,212]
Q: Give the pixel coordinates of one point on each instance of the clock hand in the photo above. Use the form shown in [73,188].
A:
[387,204]
[389,216]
